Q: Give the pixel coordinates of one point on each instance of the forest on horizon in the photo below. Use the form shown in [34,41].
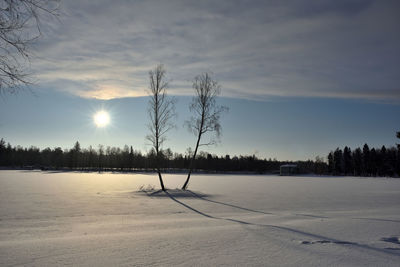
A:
[383,162]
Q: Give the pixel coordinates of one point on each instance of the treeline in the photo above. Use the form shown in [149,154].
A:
[127,159]
[365,162]
[359,162]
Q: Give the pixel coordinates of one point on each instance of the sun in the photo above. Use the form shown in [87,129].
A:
[101,118]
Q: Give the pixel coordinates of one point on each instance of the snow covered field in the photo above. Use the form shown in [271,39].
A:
[50,218]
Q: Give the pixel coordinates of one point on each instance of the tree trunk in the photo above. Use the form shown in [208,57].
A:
[158,168]
[185,185]
[161,180]
[157,145]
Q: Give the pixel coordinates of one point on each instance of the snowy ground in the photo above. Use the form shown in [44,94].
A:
[50,218]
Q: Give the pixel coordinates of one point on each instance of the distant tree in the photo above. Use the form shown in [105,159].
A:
[383,162]
[338,161]
[373,162]
[91,157]
[207,114]
[76,154]
[347,161]
[131,158]
[167,157]
[366,168]
[2,152]
[100,159]
[57,160]
[33,156]
[124,158]
[398,157]
[398,136]
[8,155]
[20,26]
[46,156]
[319,165]
[161,111]
[331,166]
[151,159]
[357,161]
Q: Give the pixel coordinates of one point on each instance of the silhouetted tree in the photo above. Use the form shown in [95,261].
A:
[382,162]
[357,161]
[206,114]
[91,157]
[338,161]
[100,160]
[75,155]
[366,167]
[58,158]
[131,158]
[372,161]
[398,136]
[319,165]
[161,111]
[331,166]
[347,161]
[2,152]
[46,156]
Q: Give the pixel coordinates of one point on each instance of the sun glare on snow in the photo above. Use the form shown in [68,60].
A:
[101,118]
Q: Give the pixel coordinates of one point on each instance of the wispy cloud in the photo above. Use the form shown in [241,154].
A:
[256,49]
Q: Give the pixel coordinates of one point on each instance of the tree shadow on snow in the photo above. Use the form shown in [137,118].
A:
[319,238]
[171,192]
[178,193]
[202,197]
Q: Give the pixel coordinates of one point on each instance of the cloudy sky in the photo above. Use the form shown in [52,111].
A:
[300,77]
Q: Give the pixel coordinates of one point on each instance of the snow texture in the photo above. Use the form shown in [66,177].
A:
[106,219]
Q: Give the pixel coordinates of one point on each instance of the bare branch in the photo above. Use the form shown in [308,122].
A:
[17,19]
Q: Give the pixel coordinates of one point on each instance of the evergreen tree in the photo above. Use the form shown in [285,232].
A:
[366,168]
[357,161]
[58,159]
[398,156]
[91,157]
[131,158]
[100,160]
[75,154]
[347,161]
[398,136]
[338,161]
[382,162]
[373,162]
[2,152]
[331,166]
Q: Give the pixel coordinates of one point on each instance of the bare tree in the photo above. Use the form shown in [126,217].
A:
[206,115]
[20,26]
[161,111]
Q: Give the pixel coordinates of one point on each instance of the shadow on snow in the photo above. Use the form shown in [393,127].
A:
[173,194]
